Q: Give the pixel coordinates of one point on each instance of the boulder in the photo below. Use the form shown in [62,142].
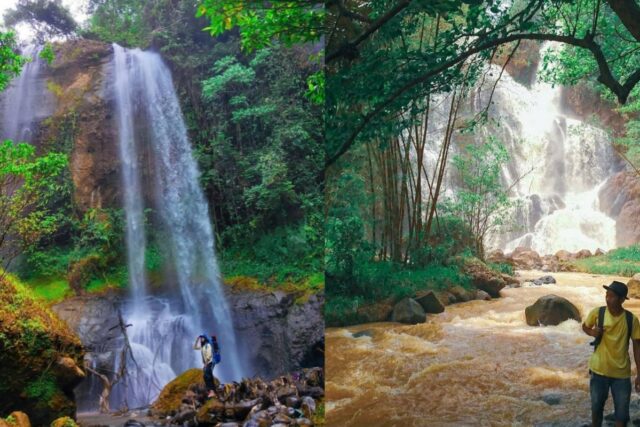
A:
[564,256]
[497,257]
[510,280]
[430,303]
[408,311]
[482,277]
[308,406]
[64,422]
[482,295]
[461,294]
[544,280]
[526,259]
[634,288]
[19,419]
[551,398]
[551,310]
[583,253]
[636,276]
[446,297]
[599,252]
[550,263]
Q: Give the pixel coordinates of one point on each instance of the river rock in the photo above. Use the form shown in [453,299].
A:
[551,398]
[379,311]
[634,288]
[544,280]
[550,263]
[364,333]
[461,294]
[583,253]
[446,297]
[551,310]
[430,303]
[483,278]
[408,311]
[525,258]
[308,406]
[498,257]
[564,256]
[482,295]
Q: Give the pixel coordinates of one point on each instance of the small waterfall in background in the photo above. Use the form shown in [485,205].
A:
[26,101]
[164,328]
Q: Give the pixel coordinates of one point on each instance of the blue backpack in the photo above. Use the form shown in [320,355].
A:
[216,350]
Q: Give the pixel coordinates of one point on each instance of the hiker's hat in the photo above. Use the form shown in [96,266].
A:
[618,288]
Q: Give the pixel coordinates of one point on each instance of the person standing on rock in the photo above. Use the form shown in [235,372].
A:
[207,350]
[609,365]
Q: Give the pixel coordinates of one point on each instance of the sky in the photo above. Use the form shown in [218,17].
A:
[76,7]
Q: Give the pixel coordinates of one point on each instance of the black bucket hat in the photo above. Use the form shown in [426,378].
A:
[618,288]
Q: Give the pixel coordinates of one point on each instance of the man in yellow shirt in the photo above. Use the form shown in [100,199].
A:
[610,365]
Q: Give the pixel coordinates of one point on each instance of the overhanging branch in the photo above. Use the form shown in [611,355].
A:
[606,77]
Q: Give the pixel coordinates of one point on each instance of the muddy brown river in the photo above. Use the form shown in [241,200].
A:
[476,364]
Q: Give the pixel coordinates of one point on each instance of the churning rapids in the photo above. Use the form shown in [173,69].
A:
[478,363]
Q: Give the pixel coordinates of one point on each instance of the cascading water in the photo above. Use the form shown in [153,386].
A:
[560,163]
[26,101]
[164,327]
[557,163]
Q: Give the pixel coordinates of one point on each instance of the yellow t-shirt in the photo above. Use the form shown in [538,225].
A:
[611,358]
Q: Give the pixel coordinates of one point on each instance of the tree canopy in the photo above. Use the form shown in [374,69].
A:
[381,55]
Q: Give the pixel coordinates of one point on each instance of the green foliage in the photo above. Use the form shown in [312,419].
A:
[47,53]
[49,18]
[481,200]
[42,389]
[502,267]
[28,182]
[287,254]
[621,261]
[374,281]
[10,62]
[262,22]
[119,21]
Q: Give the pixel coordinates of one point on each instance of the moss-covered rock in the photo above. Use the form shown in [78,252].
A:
[64,422]
[39,357]
[171,396]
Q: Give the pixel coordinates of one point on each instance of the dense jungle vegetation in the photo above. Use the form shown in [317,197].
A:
[391,229]
[252,102]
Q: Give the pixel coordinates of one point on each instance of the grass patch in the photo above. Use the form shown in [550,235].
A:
[51,289]
[303,289]
[619,262]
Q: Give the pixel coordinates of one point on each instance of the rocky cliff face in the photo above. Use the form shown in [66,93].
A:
[279,333]
[620,199]
[82,122]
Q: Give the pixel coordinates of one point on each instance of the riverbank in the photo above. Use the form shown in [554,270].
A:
[479,361]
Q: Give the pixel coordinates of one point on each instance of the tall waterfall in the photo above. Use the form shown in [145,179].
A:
[164,328]
[27,100]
